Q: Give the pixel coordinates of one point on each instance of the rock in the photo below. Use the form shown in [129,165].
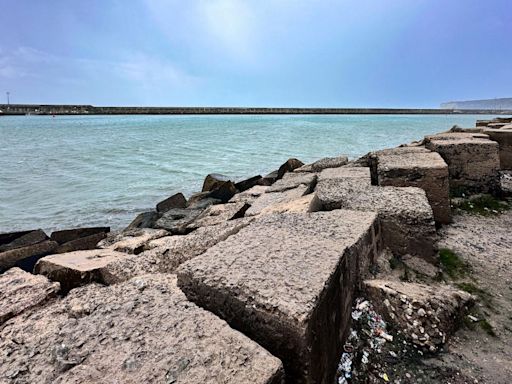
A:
[504,139]
[326,162]
[141,331]
[287,281]
[216,214]
[423,169]
[302,204]
[6,238]
[359,174]
[20,290]
[224,191]
[213,181]
[67,235]
[74,269]
[506,183]
[25,239]
[289,166]
[473,161]
[165,254]
[144,220]
[201,200]
[293,180]
[244,185]
[175,201]
[405,214]
[176,220]
[250,195]
[267,200]
[134,241]
[269,179]
[26,257]
[434,309]
[81,244]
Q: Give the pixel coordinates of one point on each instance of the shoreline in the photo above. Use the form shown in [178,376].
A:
[62,109]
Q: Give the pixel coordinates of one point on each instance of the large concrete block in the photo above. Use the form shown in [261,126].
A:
[504,139]
[270,199]
[426,170]
[73,269]
[67,235]
[405,213]
[473,162]
[165,254]
[141,331]
[287,281]
[20,290]
[219,213]
[326,162]
[26,257]
[293,180]
[250,195]
[358,174]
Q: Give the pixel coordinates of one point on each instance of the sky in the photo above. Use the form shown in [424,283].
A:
[275,53]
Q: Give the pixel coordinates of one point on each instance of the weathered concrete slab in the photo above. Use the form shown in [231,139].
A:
[141,331]
[165,254]
[358,174]
[293,180]
[134,241]
[74,269]
[287,281]
[176,220]
[326,162]
[24,240]
[26,257]
[504,139]
[426,170]
[473,163]
[67,235]
[20,290]
[7,237]
[216,214]
[405,213]
[250,195]
[244,185]
[267,200]
[82,243]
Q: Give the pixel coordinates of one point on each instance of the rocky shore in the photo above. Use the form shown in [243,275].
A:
[336,271]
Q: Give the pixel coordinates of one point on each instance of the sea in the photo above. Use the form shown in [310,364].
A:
[72,171]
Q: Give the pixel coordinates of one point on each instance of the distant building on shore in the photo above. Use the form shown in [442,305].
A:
[494,104]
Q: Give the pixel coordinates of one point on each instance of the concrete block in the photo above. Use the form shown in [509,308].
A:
[267,200]
[326,162]
[426,170]
[293,180]
[26,257]
[504,139]
[405,213]
[81,244]
[20,291]
[175,201]
[141,331]
[216,214]
[67,235]
[287,281]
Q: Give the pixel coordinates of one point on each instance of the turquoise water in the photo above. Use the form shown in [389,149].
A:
[73,171]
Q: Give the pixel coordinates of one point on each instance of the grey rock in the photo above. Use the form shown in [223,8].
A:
[175,201]
[67,235]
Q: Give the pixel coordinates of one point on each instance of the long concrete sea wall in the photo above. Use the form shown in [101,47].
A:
[34,109]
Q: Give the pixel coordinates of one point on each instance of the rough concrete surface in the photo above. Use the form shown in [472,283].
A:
[326,162]
[267,200]
[287,281]
[141,331]
[20,290]
[293,180]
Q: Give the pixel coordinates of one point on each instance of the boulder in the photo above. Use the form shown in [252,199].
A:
[287,281]
[141,331]
[216,214]
[26,257]
[67,235]
[424,169]
[165,254]
[133,241]
[6,238]
[473,162]
[24,240]
[224,191]
[74,269]
[81,244]
[504,139]
[20,291]
[268,179]
[426,314]
[201,200]
[326,162]
[267,200]
[175,201]
[405,213]
[250,195]
[293,180]
[213,181]
[244,185]
[144,220]
[176,220]
[289,166]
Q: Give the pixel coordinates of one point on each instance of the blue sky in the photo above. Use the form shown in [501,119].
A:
[330,53]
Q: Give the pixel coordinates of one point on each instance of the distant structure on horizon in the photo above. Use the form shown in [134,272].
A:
[495,104]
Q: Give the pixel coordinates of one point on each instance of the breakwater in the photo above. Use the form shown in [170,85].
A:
[40,109]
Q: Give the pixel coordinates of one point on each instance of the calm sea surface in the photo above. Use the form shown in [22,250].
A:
[71,171]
